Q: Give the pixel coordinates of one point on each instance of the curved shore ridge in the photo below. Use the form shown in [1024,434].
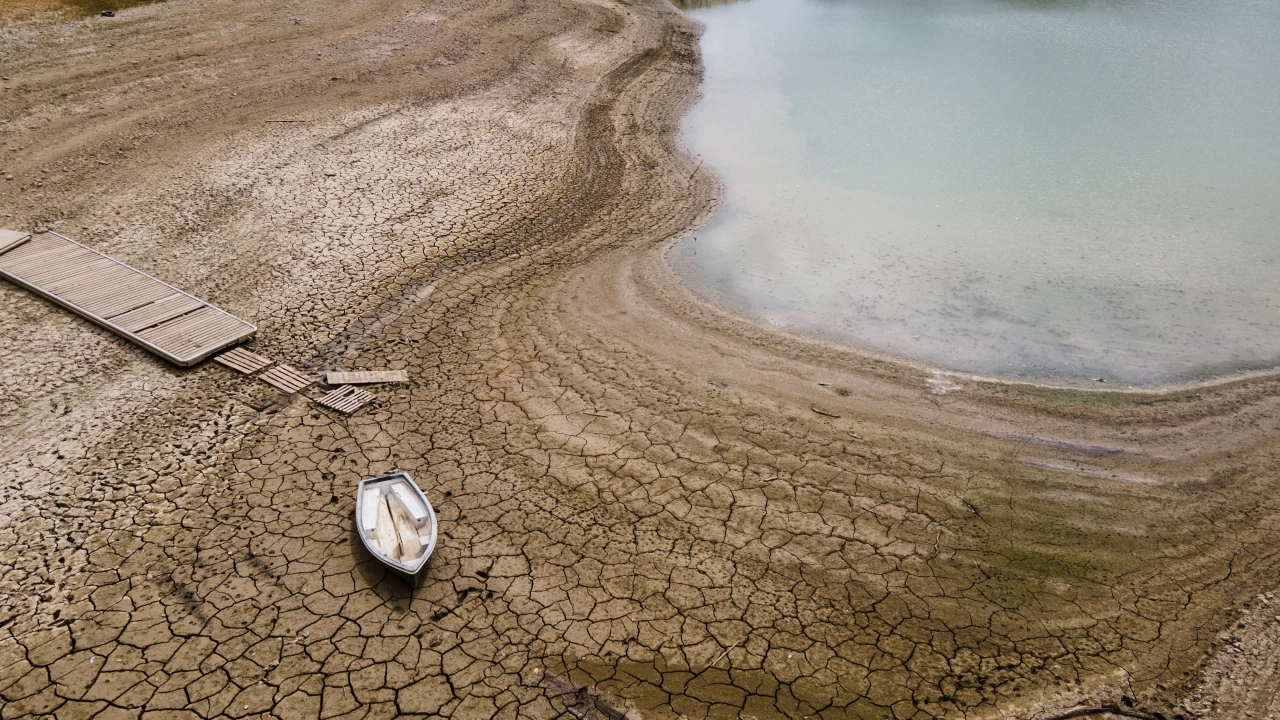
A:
[648,507]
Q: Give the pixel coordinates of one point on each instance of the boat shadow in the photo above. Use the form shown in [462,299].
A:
[373,572]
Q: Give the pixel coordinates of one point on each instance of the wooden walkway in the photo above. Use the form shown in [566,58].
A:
[181,328]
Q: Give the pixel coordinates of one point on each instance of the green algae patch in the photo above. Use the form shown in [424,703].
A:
[1063,565]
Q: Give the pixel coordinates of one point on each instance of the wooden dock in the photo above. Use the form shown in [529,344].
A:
[178,327]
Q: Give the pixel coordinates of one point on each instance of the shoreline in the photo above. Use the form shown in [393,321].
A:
[854,348]
[639,495]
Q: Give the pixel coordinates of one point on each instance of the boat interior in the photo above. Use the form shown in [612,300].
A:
[396,520]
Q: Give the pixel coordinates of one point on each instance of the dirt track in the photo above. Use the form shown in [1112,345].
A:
[648,506]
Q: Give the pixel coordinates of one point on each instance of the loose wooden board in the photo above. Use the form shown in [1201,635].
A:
[241,360]
[364,377]
[286,378]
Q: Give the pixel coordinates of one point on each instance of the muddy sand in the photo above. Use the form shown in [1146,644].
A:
[648,507]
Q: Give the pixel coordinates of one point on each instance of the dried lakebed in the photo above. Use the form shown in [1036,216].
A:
[645,505]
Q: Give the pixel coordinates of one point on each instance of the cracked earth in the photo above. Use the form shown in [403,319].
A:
[649,508]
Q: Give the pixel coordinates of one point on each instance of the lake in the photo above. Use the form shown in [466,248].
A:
[1051,190]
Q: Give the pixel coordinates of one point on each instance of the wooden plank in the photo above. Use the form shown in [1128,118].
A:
[43,264]
[155,313]
[346,399]
[67,267]
[128,296]
[94,279]
[88,286]
[177,326]
[39,248]
[242,360]
[118,305]
[204,324]
[36,260]
[195,331]
[286,378]
[10,239]
[218,333]
[365,377]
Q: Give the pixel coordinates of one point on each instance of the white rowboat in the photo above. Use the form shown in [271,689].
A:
[397,524]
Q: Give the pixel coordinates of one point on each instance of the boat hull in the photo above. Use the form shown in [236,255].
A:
[414,579]
[413,573]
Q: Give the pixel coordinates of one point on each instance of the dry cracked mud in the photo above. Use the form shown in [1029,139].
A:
[649,508]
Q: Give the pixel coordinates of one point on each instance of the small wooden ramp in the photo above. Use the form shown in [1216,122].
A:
[286,378]
[181,328]
[346,399]
[241,360]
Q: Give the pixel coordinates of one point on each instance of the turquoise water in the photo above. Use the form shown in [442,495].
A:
[1053,190]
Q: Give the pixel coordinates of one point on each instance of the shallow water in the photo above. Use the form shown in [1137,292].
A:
[1055,190]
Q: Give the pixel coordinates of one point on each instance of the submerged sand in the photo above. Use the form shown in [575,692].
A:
[646,505]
